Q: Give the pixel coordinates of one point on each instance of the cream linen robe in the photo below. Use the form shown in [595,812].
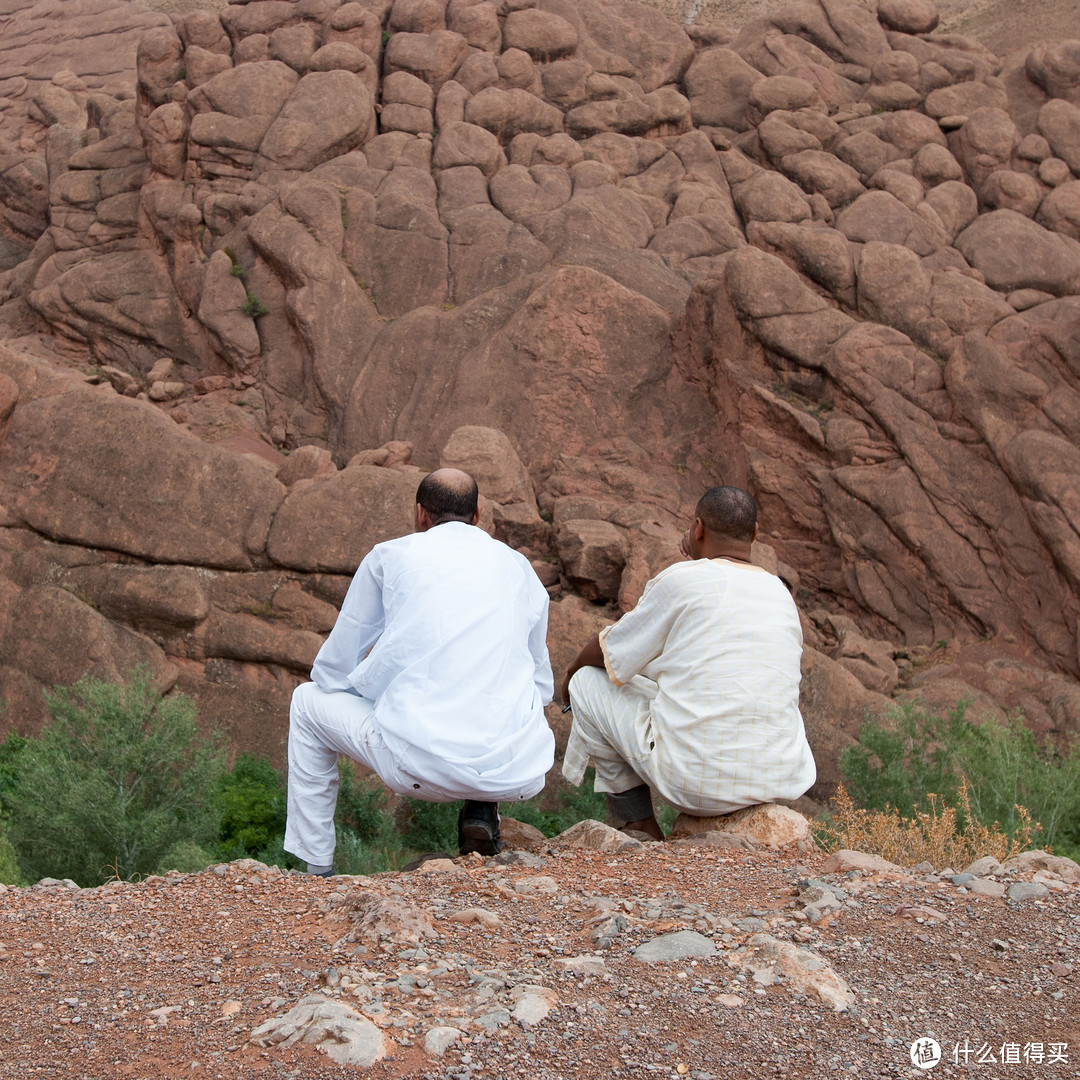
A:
[701,696]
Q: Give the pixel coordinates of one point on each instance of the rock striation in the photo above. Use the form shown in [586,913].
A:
[604,260]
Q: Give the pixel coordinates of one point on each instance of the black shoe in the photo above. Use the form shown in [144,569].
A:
[478,828]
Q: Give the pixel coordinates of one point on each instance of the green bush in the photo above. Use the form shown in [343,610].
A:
[115,782]
[916,753]
[253,307]
[432,826]
[1008,767]
[361,805]
[250,799]
[186,856]
[898,762]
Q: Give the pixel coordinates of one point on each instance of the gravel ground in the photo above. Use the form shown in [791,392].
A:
[169,977]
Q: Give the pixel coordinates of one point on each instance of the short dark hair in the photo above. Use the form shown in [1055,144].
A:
[728,512]
[448,501]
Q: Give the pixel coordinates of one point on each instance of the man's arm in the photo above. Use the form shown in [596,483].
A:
[636,639]
[542,677]
[358,626]
[591,656]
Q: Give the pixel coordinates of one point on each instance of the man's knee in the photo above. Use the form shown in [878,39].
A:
[587,685]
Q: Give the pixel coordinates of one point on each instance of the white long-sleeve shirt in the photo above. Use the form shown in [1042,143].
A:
[458,668]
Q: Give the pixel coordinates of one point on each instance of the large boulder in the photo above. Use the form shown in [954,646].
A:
[719,83]
[1059,122]
[234,109]
[53,638]
[329,525]
[593,554]
[501,363]
[329,113]
[1014,252]
[489,457]
[94,468]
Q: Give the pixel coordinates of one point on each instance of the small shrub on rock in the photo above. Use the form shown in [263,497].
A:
[254,307]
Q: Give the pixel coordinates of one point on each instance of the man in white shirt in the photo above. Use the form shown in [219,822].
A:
[695,692]
[435,676]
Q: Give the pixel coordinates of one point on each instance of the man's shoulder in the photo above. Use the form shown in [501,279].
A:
[684,570]
[695,576]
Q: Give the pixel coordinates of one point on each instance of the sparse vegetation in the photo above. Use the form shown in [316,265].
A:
[943,835]
[121,784]
[990,775]
[254,307]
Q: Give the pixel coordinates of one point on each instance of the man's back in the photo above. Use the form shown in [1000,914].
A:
[458,668]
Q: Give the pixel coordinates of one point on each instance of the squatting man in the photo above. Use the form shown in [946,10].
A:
[435,677]
[695,692]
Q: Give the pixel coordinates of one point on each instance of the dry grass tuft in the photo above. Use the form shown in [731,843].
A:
[935,836]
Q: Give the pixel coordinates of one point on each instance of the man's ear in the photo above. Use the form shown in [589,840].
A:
[423,522]
[476,517]
[699,529]
[754,537]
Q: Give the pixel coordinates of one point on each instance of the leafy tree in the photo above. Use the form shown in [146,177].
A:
[250,798]
[116,781]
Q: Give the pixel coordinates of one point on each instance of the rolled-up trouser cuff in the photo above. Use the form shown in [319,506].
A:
[633,805]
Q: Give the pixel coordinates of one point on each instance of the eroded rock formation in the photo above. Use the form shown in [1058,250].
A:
[602,259]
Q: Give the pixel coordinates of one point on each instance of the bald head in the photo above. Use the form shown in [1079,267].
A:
[448,495]
[728,513]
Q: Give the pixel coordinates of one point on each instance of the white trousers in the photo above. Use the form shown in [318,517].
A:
[612,726]
[322,726]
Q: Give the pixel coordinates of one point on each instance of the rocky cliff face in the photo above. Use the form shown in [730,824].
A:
[307,249]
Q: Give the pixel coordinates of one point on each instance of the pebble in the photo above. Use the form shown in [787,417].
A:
[986,887]
[677,946]
[439,1039]
[531,1009]
[585,965]
[1028,890]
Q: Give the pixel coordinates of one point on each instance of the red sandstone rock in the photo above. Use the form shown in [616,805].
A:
[1014,252]
[913,498]
[329,524]
[908,16]
[488,456]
